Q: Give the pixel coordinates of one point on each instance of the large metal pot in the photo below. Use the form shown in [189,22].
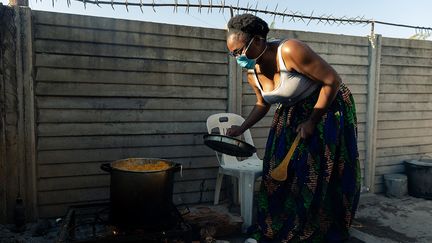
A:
[141,198]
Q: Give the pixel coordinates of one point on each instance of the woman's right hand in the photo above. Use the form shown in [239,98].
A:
[234,131]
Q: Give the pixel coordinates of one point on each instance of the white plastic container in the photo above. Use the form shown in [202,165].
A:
[396,185]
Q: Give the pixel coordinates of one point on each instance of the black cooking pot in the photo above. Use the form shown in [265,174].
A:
[141,198]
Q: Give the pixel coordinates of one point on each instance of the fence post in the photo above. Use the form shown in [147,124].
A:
[17,123]
[3,77]
[29,113]
[234,87]
[235,82]
[372,110]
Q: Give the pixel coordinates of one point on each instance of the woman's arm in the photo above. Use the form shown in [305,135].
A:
[303,59]
[258,112]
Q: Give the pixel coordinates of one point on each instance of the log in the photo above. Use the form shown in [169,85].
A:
[213,221]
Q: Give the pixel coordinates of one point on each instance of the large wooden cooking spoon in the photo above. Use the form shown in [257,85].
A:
[280,172]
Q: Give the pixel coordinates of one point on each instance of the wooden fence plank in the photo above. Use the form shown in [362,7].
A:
[407,61]
[404,70]
[194,197]
[129,77]
[408,106]
[405,89]
[397,159]
[118,103]
[73,182]
[324,37]
[405,79]
[340,49]
[406,43]
[73,196]
[99,142]
[61,33]
[196,174]
[405,97]
[93,155]
[406,132]
[383,125]
[194,186]
[175,152]
[403,141]
[120,90]
[404,115]
[137,52]
[333,59]
[91,129]
[353,79]
[392,169]
[78,116]
[404,150]
[128,64]
[81,21]
[398,51]
[55,211]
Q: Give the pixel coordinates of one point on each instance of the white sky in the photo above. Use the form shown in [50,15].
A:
[414,12]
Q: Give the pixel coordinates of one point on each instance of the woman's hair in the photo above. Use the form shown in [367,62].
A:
[248,24]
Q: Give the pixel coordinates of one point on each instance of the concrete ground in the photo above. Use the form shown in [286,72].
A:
[390,220]
[380,219]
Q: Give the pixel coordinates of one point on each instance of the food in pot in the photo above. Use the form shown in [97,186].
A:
[130,166]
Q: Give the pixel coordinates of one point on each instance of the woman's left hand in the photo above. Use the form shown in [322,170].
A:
[306,129]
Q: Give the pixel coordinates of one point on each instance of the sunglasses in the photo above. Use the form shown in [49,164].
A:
[239,51]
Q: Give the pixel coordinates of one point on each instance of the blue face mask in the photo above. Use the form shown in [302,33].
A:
[245,62]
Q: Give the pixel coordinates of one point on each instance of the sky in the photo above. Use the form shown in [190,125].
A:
[414,12]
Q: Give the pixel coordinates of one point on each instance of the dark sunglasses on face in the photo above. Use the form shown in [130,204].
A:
[239,51]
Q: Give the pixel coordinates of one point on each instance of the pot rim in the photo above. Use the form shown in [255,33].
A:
[172,164]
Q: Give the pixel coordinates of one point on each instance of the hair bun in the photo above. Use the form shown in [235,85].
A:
[249,24]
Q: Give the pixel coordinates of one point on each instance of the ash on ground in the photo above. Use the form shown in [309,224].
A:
[43,231]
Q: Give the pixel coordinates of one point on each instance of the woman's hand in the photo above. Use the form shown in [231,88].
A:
[234,131]
[306,129]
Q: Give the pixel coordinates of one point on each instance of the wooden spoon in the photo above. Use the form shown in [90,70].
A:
[280,172]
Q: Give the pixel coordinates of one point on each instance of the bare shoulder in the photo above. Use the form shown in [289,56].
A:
[294,46]
[296,53]
[251,77]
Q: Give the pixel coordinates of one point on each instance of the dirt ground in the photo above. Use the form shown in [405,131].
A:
[378,219]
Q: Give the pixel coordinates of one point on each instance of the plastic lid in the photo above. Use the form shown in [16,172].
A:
[425,162]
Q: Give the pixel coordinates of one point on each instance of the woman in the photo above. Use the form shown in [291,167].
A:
[318,200]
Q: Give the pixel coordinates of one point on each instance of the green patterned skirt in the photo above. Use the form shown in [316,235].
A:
[318,200]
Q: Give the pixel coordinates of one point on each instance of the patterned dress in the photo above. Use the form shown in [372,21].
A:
[318,200]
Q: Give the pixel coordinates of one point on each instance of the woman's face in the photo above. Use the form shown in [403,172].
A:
[237,44]
[240,44]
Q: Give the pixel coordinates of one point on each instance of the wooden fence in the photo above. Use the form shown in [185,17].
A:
[111,89]
[95,90]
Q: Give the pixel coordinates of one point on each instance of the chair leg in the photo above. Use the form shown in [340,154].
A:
[218,188]
[246,185]
[235,190]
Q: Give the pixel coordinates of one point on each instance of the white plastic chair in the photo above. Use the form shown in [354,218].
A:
[246,171]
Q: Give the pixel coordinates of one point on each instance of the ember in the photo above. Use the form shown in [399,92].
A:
[90,223]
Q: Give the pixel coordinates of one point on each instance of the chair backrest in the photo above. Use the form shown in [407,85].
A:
[221,122]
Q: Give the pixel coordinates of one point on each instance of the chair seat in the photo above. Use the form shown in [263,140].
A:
[254,165]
